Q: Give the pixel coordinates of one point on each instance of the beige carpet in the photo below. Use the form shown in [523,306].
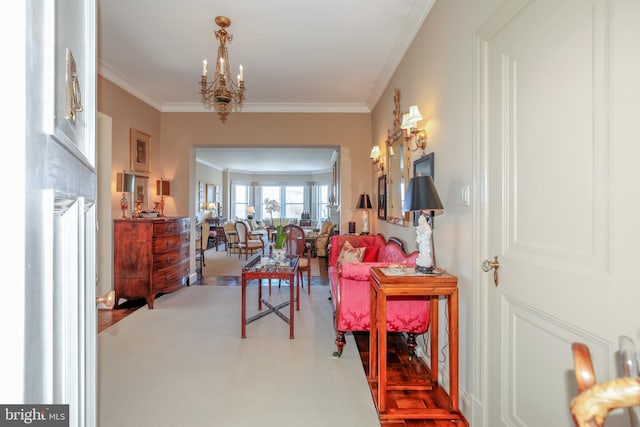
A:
[184,364]
[218,263]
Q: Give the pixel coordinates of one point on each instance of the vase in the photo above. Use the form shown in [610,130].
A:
[279,254]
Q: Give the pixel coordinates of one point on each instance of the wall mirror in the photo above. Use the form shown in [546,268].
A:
[396,167]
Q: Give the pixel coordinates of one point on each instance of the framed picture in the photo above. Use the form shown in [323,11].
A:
[141,191]
[382,197]
[140,151]
[423,166]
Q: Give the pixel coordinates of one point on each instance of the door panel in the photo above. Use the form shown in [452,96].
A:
[60,332]
[547,205]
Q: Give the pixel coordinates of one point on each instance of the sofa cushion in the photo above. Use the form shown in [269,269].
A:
[350,254]
[370,253]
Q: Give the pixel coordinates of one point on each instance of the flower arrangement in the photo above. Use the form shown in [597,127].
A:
[271,206]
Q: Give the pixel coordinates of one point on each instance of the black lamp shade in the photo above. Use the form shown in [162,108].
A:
[421,195]
[364,202]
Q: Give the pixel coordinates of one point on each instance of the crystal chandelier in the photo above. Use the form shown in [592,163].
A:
[222,90]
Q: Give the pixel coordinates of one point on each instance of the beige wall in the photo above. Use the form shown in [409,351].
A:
[436,74]
[126,112]
[183,132]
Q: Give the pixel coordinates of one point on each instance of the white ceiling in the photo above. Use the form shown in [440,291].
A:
[298,56]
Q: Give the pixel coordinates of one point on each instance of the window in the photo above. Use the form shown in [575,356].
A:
[293,201]
[240,200]
[321,202]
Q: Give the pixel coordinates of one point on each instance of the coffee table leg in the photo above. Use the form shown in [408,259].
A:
[243,333]
[291,310]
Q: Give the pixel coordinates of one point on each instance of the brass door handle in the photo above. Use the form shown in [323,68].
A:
[108,299]
[492,265]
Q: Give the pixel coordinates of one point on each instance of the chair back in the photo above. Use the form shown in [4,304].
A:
[203,241]
[243,232]
[296,241]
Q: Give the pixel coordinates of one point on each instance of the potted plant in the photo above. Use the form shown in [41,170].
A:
[279,251]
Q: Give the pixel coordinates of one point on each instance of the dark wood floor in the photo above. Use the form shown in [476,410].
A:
[399,365]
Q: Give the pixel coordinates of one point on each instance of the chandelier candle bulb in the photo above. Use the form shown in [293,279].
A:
[222,66]
[241,76]
[204,67]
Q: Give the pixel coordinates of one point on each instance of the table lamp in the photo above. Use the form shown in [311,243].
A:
[250,212]
[125,183]
[163,188]
[422,196]
[364,202]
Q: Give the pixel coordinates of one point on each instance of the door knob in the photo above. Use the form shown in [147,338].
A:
[492,265]
[108,299]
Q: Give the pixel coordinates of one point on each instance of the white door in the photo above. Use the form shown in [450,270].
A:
[553,126]
[60,330]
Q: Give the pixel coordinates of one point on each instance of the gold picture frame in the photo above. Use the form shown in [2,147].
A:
[140,151]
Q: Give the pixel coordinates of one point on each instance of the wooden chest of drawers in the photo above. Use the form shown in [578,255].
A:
[151,256]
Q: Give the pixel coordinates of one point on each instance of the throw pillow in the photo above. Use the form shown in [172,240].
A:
[350,254]
[371,253]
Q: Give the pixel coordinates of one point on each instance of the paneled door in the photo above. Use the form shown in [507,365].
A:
[555,84]
[60,330]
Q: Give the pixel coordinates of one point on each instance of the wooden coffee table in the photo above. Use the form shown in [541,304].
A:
[284,270]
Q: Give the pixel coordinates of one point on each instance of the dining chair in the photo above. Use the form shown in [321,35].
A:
[297,245]
[595,400]
[246,243]
[202,241]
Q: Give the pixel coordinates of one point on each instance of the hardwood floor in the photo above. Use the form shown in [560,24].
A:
[399,365]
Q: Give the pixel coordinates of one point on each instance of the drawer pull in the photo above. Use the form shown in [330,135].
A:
[167,278]
[170,227]
[168,260]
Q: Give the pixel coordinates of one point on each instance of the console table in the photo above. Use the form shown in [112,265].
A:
[407,283]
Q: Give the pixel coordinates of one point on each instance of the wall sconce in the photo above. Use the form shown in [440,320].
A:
[410,124]
[375,157]
[125,183]
[163,188]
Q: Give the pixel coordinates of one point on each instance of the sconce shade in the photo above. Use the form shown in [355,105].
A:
[375,153]
[421,195]
[364,202]
[163,188]
[411,119]
[125,182]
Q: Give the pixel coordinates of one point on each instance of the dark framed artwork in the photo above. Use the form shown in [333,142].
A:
[382,197]
[423,166]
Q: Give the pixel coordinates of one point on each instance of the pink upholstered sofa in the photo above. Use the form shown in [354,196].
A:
[350,292]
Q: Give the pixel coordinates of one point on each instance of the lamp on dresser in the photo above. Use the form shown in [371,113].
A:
[125,184]
[163,188]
